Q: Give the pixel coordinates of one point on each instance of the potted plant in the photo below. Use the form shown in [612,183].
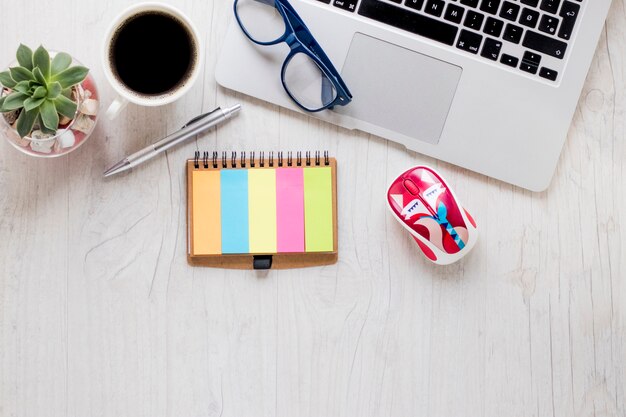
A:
[49,106]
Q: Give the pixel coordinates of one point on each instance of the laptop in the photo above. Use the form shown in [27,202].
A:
[488,85]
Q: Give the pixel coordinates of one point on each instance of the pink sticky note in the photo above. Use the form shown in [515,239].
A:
[290,209]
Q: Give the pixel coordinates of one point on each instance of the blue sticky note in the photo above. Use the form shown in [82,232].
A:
[234,196]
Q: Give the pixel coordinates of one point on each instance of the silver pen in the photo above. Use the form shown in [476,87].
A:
[194,127]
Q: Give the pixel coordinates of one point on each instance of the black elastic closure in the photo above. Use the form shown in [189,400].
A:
[262,261]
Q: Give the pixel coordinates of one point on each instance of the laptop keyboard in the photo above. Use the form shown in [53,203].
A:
[529,35]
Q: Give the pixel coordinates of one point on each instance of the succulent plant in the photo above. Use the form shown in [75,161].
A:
[41,89]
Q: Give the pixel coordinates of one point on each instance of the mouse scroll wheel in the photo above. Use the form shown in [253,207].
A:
[411,187]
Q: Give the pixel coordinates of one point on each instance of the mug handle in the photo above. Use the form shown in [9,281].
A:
[116,107]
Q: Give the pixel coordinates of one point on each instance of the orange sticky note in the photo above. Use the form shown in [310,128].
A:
[207,231]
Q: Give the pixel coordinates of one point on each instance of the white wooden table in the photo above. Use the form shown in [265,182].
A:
[100,315]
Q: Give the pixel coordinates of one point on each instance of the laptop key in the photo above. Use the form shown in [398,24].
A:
[548,24]
[410,21]
[513,33]
[474,20]
[509,11]
[550,6]
[531,3]
[545,44]
[509,60]
[569,13]
[454,13]
[435,7]
[548,74]
[529,18]
[349,5]
[493,27]
[528,67]
[414,4]
[490,6]
[469,41]
[532,58]
[491,49]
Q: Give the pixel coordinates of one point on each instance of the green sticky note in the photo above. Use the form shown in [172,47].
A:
[318,210]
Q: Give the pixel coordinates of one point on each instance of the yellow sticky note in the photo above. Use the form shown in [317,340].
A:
[207,232]
[318,210]
[262,210]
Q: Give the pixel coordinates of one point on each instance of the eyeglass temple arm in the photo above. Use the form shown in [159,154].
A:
[304,34]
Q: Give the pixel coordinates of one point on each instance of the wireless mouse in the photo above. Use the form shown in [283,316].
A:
[422,201]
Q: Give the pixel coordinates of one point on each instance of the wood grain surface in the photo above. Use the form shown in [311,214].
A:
[100,314]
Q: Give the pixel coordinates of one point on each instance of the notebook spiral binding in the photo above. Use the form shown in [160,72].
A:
[310,159]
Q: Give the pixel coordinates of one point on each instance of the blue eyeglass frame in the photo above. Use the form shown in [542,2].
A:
[300,40]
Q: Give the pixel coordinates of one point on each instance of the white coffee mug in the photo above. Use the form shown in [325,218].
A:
[126,94]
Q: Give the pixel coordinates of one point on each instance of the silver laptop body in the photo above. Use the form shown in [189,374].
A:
[483,84]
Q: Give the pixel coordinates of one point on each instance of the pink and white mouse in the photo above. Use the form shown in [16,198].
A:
[421,200]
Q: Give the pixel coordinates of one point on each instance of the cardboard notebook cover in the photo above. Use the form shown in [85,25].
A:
[247,261]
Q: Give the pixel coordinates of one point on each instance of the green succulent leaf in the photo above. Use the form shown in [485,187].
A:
[34,84]
[25,56]
[32,103]
[71,76]
[26,121]
[42,127]
[21,74]
[54,89]
[41,59]
[49,115]
[2,101]
[65,106]
[60,62]
[39,76]
[40,92]
[6,80]
[22,87]
[14,101]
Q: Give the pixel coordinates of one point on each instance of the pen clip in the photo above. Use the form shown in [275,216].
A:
[198,118]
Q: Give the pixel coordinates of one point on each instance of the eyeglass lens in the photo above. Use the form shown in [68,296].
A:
[307,83]
[261,19]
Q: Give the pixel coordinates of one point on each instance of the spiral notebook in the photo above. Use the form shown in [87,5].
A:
[262,212]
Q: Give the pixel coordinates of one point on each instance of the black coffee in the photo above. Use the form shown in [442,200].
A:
[152,53]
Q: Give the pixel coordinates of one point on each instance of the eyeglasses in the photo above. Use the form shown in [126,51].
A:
[308,75]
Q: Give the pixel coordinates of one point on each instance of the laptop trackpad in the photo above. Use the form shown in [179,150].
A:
[398,89]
